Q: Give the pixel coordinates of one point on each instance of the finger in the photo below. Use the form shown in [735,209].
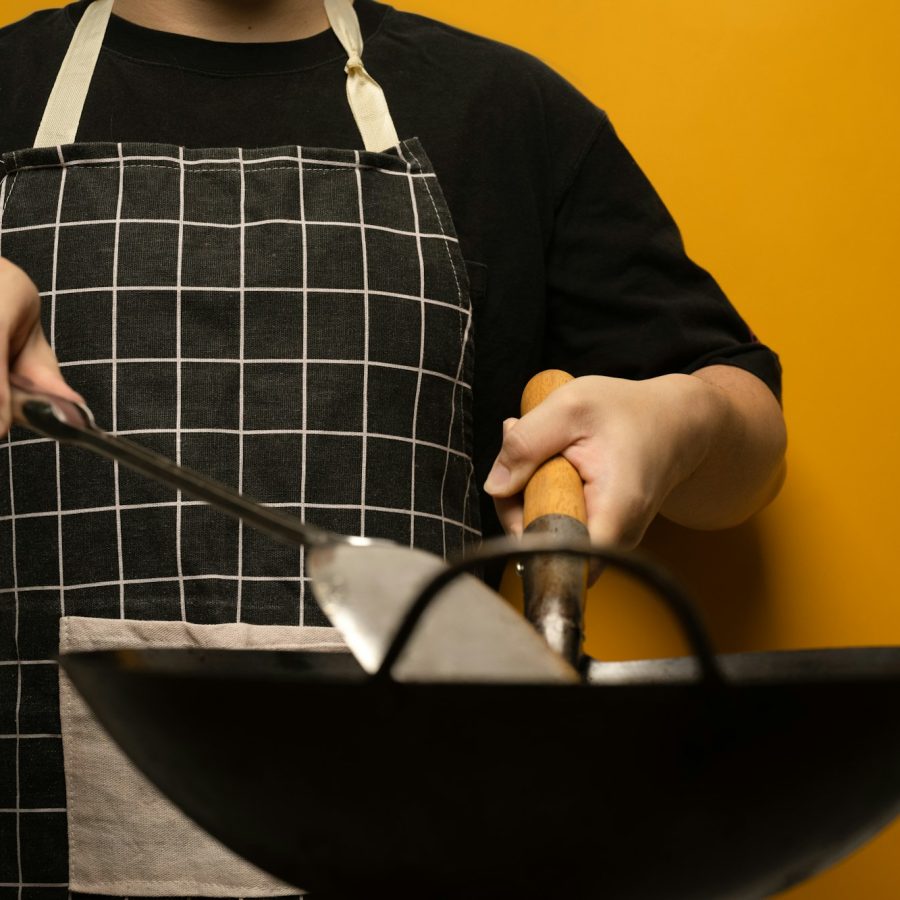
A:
[510,512]
[545,431]
[5,404]
[37,362]
[25,348]
[19,313]
[510,509]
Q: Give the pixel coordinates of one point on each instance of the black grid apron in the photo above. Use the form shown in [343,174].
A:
[293,321]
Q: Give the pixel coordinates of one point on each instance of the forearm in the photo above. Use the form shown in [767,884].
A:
[743,467]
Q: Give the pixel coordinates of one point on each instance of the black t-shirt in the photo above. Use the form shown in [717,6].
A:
[574,261]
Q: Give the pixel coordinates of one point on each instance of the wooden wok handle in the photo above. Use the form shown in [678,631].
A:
[556,487]
[555,584]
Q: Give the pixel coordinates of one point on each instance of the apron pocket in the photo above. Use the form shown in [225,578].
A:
[125,838]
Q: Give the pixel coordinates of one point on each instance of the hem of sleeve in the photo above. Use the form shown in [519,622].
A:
[757,359]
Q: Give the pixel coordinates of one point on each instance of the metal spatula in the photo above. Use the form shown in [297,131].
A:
[364,586]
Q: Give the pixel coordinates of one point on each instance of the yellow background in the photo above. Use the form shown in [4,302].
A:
[770,129]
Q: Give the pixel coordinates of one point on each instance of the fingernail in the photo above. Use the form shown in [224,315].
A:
[498,478]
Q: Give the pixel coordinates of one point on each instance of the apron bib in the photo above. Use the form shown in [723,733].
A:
[293,321]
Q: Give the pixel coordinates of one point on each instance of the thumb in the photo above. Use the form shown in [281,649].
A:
[37,364]
[37,370]
[528,442]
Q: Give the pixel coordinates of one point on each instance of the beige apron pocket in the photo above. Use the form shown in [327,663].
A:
[125,838]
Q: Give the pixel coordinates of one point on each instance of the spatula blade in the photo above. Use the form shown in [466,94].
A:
[468,633]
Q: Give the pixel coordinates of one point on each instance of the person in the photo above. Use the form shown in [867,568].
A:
[227,227]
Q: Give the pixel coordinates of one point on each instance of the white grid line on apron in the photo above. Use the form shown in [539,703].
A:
[200,360]
[15,592]
[179,563]
[59,536]
[19,776]
[17,662]
[48,809]
[28,662]
[415,422]
[250,289]
[242,262]
[229,225]
[115,380]
[231,431]
[125,507]
[303,373]
[450,439]
[365,404]
[32,662]
[100,162]
[171,579]
[59,549]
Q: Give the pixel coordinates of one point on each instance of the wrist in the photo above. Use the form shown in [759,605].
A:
[702,413]
[741,465]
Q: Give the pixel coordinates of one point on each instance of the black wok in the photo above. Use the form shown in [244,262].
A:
[734,777]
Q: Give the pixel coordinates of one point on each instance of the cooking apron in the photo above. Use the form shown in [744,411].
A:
[294,321]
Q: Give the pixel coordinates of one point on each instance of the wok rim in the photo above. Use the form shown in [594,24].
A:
[757,668]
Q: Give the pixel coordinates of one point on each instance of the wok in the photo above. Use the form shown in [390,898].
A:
[705,777]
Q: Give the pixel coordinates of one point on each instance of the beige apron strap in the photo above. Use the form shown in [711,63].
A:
[366,98]
[63,111]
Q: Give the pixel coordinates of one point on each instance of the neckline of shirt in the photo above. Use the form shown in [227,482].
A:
[180,51]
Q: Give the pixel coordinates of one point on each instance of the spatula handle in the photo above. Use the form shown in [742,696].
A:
[68,422]
[555,585]
[556,487]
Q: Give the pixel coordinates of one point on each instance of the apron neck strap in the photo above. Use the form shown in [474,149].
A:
[66,101]
[62,114]
[367,101]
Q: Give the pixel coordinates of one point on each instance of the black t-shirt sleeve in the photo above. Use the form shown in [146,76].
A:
[623,297]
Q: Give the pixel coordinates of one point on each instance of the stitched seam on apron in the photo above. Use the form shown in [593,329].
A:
[457,391]
[329,170]
[12,184]
[440,221]
[318,169]
[67,718]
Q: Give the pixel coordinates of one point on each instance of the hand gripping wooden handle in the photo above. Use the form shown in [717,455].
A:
[554,505]
[556,487]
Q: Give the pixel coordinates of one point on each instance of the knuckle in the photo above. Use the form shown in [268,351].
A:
[516,445]
[572,402]
[576,409]
[633,511]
